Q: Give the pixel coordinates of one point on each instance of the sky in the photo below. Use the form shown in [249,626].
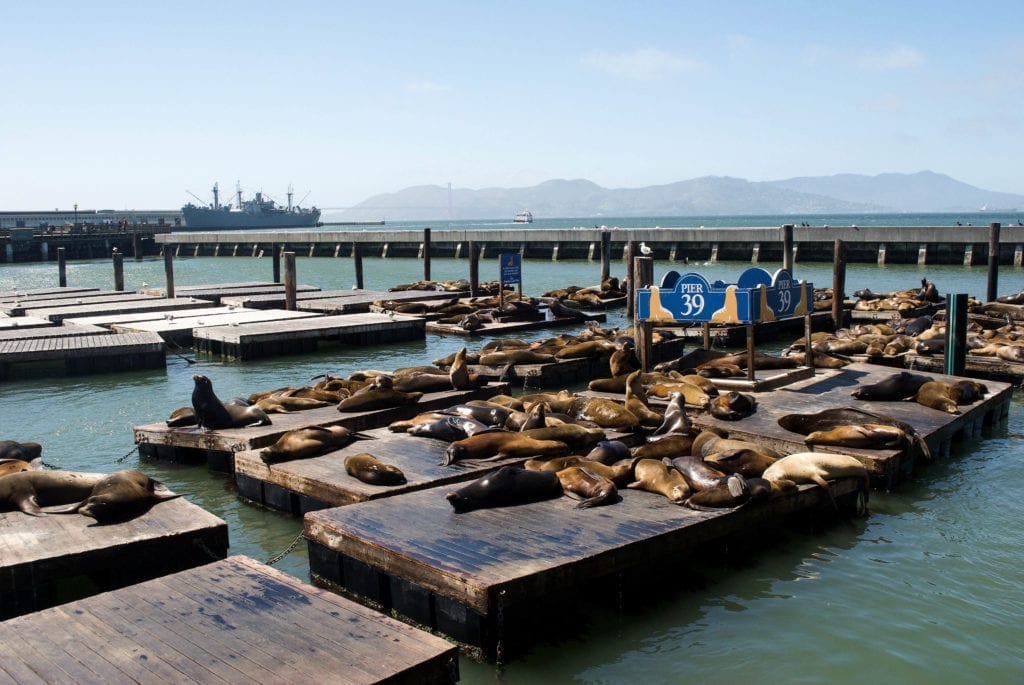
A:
[145,104]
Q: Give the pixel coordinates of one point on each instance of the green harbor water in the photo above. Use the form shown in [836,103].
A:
[928,588]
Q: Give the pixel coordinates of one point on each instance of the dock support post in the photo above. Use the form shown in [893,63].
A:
[554,253]
[922,254]
[750,347]
[135,247]
[357,256]
[474,270]
[1018,255]
[384,251]
[956,334]
[808,323]
[705,329]
[672,252]
[234,252]
[787,248]
[522,249]
[169,272]
[993,261]
[289,281]
[118,270]
[838,286]
[643,268]
[195,252]
[337,249]
[590,251]
[276,259]
[62,267]
[458,250]
[606,255]
[756,253]
[312,246]
[44,251]
[714,253]
[177,249]
[481,250]
[216,250]
[426,254]
[968,254]
[631,278]
[881,254]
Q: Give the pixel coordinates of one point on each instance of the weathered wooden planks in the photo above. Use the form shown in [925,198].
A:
[44,560]
[234,620]
[181,329]
[505,327]
[84,354]
[359,301]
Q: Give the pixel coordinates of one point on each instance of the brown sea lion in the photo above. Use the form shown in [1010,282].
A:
[458,372]
[212,414]
[653,475]
[507,486]
[370,399]
[623,360]
[583,350]
[817,467]
[450,427]
[536,418]
[515,357]
[285,404]
[372,471]
[574,435]
[761,489]
[609,414]
[699,474]
[749,463]
[670,446]
[25,451]
[583,483]
[29,491]
[9,466]
[561,401]
[898,386]
[608,452]
[486,413]
[122,495]
[500,444]
[310,441]
[731,492]
[968,392]
[638,404]
[403,426]
[422,382]
[619,473]
[937,395]
[675,421]
[182,416]
[827,419]
[869,435]
[733,406]
[694,395]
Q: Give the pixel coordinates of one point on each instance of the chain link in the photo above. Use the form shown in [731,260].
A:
[288,550]
[130,452]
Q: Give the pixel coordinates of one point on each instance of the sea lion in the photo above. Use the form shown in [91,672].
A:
[675,420]
[731,492]
[403,426]
[699,475]
[582,482]
[516,357]
[653,475]
[450,428]
[459,375]
[694,395]
[284,404]
[536,418]
[182,416]
[608,452]
[122,495]
[733,406]
[931,346]
[670,446]
[494,445]
[586,349]
[422,382]
[310,441]
[619,473]
[817,467]
[508,485]
[761,489]
[898,386]
[370,399]
[25,451]
[29,491]
[623,360]
[576,436]
[749,463]
[212,414]
[937,395]
[9,466]
[968,392]
[486,413]
[372,471]
[609,414]
[869,435]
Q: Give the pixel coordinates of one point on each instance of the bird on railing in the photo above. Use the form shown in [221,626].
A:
[644,250]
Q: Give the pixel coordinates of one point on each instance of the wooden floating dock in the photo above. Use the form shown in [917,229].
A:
[181,328]
[484,577]
[217,447]
[214,292]
[231,621]
[42,293]
[506,327]
[51,559]
[83,354]
[358,301]
[975,365]
[88,308]
[70,329]
[298,335]
[736,336]
[17,323]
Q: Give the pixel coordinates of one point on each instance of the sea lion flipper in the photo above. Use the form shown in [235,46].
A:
[30,505]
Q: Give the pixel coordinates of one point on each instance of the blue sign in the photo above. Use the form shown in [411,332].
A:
[510,268]
[756,296]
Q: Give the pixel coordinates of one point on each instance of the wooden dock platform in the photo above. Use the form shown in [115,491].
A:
[52,559]
[214,292]
[83,354]
[507,327]
[485,577]
[217,447]
[975,366]
[736,335]
[70,329]
[359,301]
[181,328]
[16,323]
[88,308]
[299,335]
[231,621]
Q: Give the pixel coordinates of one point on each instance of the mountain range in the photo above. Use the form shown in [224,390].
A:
[921,192]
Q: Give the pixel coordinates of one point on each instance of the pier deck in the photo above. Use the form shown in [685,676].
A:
[299,335]
[16,323]
[506,327]
[83,354]
[88,308]
[214,292]
[234,620]
[359,301]
[217,447]
[181,328]
[47,560]
[484,577]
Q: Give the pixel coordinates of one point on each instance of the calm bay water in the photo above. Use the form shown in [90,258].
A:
[929,588]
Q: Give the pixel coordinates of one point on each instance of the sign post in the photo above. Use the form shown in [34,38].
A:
[510,270]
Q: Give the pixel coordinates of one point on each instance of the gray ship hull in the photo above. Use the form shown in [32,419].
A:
[220,219]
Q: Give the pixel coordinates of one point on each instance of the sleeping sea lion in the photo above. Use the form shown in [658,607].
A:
[733,406]
[310,441]
[608,452]
[574,435]
[827,419]
[653,475]
[609,414]
[494,445]
[670,446]
[699,475]
[937,395]
[369,399]
[968,392]
[817,467]
[212,414]
[450,428]
[730,492]
[749,463]
[582,482]
[485,413]
[898,386]
[618,473]
[9,466]
[869,435]
[422,382]
[372,470]
[182,416]
[508,485]
[25,451]
[122,495]
[29,491]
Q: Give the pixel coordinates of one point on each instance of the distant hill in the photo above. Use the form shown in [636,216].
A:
[708,195]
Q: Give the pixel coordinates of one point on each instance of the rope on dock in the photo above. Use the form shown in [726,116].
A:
[130,452]
[288,550]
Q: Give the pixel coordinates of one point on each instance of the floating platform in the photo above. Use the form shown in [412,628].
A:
[889,315]
[485,577]
[360,301]
[43,293]
[181,328]
[18,323]
[231,621]
[52,559]
[70,329]
[76,355]
[217,447]
[214,292]
[736,336]
[505,327]
[975,366]
[88,308]
[299,335]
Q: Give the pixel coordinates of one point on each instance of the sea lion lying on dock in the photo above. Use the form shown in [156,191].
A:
[583,483]
[371,470]
[122,495]
[24,451]
[507,486]
[306,442]
[491,446]
[654,476]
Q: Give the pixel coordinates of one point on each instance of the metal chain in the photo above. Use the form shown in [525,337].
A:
[499,647]
[204,547]
[288,550]
[130,452]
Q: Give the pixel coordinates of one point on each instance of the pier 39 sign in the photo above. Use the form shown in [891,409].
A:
[757,296]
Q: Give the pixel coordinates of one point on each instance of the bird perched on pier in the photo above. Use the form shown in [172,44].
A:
[644,250]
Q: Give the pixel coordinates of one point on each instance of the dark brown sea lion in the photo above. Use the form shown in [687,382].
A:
[284,404]
[653,475]
[212,414]
[422,382]
[459,375]
[623,360]
[450,427]
[582,482]
[25,451]
[500,444]
[587,349]
[898,386]
[609,414]
[868,435]
[931,346]
[731,492]
[488,414]
[828,419]
[122,495]
[306,442]
[733,406]
[670,447]
[508,485]
[749,463]
[378,398]
[619,473]
[576,436]
[608,452]
[712,441]
[372,470]
[761,489]
[675,421]
[699,474]
[515,357]
[182,416]
[937,395]
[29,491]
[968,392]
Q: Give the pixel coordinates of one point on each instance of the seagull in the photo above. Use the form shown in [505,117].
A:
[644,250]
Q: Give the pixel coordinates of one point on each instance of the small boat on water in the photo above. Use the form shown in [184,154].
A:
[523,217]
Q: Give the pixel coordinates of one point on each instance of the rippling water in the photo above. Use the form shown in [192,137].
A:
[929,588]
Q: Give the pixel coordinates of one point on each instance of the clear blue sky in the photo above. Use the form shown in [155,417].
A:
[129,104]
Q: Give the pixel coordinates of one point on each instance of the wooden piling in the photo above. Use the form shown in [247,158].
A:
[118,270]
[993,261]
[357,255]
[787,247]
[426,254]
[277,263]
[136,252]
[643,269]
[631,278]
[474,269]
[606,255]
[62,267]
[169,272]
[838,285]
[289,281]
[956,334]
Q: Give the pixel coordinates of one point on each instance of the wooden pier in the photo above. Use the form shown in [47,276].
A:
[51,559]
[335,301]
[736,336]
[298,335]
[82,354]
[217,447]
[231,621]
[492,328]
[215,292]
[485,577]
[180,327]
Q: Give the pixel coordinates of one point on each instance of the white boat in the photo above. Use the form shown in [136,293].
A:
[523,217]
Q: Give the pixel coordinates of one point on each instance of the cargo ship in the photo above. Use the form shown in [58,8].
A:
[260,212]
